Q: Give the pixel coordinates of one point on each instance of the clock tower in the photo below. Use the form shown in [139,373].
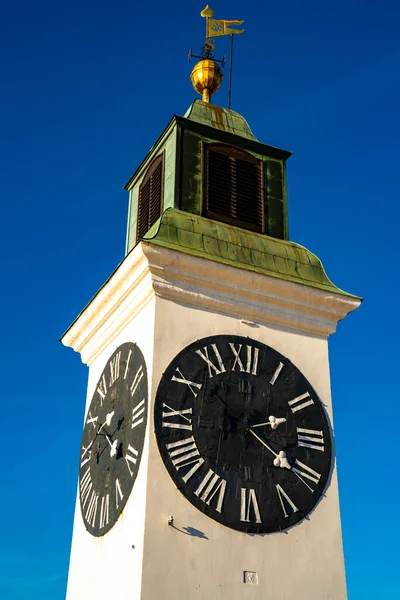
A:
[207,463]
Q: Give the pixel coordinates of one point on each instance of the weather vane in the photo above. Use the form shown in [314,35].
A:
[207,76]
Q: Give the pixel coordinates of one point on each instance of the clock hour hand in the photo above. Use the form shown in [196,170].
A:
[107,422]
[273,421]
[280,459]
[113,445]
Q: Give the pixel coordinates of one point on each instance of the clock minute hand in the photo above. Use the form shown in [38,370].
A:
[280,459]
[262,442]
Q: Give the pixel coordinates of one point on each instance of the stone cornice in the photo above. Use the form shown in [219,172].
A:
[153,270]
[246,295]
[116,303]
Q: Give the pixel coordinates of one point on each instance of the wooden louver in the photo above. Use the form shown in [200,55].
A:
[150,197]
[233,187]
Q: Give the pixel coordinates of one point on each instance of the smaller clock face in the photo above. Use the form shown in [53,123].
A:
[113,438]
[243,434]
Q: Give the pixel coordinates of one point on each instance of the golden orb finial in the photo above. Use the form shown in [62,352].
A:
[206,78]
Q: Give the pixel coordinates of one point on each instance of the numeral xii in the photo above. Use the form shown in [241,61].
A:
[246,361]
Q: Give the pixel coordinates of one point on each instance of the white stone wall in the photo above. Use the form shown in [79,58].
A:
[305,562]
[163,300]
[108,567]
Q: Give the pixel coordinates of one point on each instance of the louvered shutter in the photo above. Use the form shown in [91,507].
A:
[233,187]
[143,210]
[218,183]
[150,197]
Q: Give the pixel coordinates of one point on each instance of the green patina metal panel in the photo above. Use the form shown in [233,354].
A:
[132,219]
[170,170]
[191,173]
[219,118]
[276,222]
[229,245]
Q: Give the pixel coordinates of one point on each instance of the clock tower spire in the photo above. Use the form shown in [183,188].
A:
[207,465]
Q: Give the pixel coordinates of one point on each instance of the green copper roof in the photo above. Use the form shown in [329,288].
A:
[220,118]
[239,248]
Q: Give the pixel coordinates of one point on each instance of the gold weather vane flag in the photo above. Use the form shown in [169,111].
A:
[217,27]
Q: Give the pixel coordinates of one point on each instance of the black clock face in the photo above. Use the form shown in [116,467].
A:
[243,434]
[113,437]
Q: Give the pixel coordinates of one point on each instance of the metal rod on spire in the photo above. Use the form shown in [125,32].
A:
[230,70]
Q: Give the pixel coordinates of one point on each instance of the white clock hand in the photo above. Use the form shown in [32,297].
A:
[113,445]
[107,422]
[273,421]
[113,450]
[280,459]
[109,416]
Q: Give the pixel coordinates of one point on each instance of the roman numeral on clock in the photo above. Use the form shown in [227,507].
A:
[137,414]
[102,389]
[283,496]
[211,484]
[86,451]
[211,366]
[136,380]
[184,453]
[306,471]
[167,414]
[90,515]
[251,359]
[127,363]
[297,403]
[104,511]
[310,438]
[114,368]
[277,373]
[191,384]
[91,420]
[118,493]
[248,500]
[86,486]
[131,457]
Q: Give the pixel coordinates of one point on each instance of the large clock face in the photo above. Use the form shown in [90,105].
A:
[113,438]
[243,434]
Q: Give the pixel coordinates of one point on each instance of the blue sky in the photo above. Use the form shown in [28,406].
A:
[86,89]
